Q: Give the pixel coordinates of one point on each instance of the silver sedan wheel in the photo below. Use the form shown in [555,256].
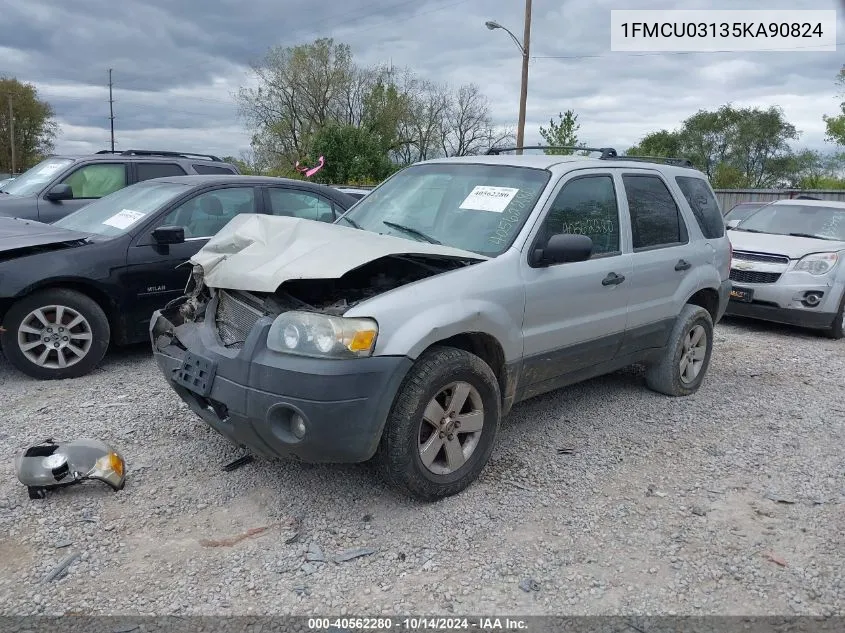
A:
[692,356]
[451,428]
[55,337]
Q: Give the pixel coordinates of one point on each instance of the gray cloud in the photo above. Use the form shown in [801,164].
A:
[177,64]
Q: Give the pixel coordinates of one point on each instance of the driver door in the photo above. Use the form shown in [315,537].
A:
[155,274]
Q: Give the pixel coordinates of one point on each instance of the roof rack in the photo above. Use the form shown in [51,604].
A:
[606,152]
[677,162]
[151,152]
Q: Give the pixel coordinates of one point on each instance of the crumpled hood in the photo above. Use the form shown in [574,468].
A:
[789,245]
[257,253]
[16,234]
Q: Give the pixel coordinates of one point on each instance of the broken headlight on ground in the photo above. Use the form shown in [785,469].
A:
[322,336]
[52,465]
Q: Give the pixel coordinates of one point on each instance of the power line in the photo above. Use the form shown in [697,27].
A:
[111,111]
[650,54]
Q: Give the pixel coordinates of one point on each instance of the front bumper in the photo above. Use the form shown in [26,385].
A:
[724,297]
[253,392]
[783,302]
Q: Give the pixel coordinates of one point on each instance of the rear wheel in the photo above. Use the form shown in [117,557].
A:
[681,369]
[442,427]
[56,333]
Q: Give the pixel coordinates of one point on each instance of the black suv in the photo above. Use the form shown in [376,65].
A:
[59,185]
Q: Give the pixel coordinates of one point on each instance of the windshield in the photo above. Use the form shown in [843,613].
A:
[822,222]
[118,212]
[478,208]
[742,211]
[33,180]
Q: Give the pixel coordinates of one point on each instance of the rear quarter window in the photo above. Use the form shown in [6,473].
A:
[704,206]
[212,170]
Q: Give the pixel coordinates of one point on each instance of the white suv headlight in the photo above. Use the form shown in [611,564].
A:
[817,263]
[322,336]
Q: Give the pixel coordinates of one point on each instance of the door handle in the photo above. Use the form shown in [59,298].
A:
[683,265]
[612,279]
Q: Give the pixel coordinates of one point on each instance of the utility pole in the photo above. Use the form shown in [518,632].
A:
[111,111]
[12,132]
[523,94]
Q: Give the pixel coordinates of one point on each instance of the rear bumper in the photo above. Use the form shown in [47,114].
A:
[254,393]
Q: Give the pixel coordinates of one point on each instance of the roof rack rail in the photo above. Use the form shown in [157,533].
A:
[606,152]
[677,162]
[153,152]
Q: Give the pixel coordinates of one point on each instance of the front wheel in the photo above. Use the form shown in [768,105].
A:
[441,430]
[55,333]
[683,365]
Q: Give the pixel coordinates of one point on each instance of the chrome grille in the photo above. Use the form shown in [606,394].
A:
[753,277]
[760,257]
[234,319]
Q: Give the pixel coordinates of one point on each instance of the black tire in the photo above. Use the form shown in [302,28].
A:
[83,305]
[664,376]
[398,455]
[837,330]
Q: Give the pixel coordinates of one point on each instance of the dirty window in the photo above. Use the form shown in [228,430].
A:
[476,207]
[97,180]
[655,218]
[819,221]
[204,215]
[299,204]
[704,206]
[586,206]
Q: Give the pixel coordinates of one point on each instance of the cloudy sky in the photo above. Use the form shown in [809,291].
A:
[177,63]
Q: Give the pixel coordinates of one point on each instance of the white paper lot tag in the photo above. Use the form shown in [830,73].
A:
[123,219]
[484,198]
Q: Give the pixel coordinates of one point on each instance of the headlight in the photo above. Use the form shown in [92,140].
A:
[817,263]
[109,468]
[322,336]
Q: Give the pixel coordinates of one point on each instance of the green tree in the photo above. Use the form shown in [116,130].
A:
[35,128]
[836,124]
[562,133]
[663,143]
[353,155]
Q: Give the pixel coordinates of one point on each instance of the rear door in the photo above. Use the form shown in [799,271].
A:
[575,313]
[665,261]
[89,182]
[155,273]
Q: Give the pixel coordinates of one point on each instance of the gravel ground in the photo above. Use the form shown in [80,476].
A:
[665,506]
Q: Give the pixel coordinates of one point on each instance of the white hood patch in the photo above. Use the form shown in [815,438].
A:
[257,253]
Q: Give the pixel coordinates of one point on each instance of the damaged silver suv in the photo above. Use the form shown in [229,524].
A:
[460,286]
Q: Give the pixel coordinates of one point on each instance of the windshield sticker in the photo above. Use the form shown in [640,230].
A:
[124,219]
[483,198]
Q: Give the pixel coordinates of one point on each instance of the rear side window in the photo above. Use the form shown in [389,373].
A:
[211,169]
[148,171]
[655,218]
[704,206]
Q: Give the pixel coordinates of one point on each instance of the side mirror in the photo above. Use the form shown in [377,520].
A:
[169,234]
[59,192]
[562,249]
[731,224]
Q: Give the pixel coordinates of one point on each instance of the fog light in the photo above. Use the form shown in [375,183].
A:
[297,426]
[812,299]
